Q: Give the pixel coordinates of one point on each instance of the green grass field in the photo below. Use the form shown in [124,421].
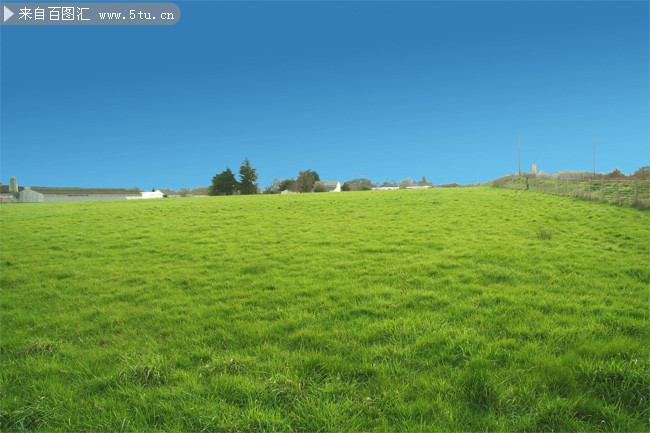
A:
[458,309]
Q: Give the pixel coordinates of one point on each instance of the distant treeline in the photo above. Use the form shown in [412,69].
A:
[225,182]
[309,180]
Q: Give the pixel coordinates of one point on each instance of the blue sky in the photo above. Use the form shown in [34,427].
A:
[349,89]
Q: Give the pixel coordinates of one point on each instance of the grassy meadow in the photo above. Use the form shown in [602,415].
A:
[457,310]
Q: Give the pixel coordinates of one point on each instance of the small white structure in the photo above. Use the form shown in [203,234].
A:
[147,194]
[330,185]
[419,187]
[286,191]
[385,188]
[153,194]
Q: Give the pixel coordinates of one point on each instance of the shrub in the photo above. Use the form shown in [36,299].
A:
[643,172]
[288,184]
[614,174]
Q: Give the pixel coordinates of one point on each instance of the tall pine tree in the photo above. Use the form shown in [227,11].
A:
[247,178]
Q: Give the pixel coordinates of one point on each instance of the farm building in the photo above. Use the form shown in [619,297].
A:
[147,194]
[37,194]
[330,185]
[6,195]
[286,191]
[169,193]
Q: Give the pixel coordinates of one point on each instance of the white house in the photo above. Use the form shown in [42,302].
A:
[330,185]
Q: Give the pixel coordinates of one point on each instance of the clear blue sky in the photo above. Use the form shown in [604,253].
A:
[379,89]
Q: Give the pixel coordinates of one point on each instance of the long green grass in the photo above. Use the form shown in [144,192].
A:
[457,309]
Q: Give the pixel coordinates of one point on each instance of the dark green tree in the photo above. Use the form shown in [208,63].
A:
[289,184]
[247,178]
[224,183]
[359,184]
[345,186]
[306,180]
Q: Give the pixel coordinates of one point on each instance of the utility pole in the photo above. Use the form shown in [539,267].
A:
[594,173]
[520,155]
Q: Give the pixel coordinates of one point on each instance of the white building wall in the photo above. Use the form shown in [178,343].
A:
[152,194]
[30,196]
[57,198]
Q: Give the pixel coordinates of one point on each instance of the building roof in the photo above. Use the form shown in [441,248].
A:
[168,191]
[84,191]
[328,183]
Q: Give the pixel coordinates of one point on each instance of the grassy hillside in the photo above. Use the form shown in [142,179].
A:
[457,309]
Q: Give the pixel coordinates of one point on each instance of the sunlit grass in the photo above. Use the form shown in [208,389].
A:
[457,309]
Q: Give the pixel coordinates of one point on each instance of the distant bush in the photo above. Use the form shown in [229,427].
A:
[288,184]
[359,184]
[319,187]
[271,189]
[614,174]
[643,172]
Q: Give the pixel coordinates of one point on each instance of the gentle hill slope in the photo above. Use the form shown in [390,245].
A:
[456,309]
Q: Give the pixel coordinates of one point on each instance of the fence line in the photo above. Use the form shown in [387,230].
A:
[626,191]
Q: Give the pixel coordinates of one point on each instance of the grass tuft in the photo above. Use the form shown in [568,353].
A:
[147,371]
[544,234]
